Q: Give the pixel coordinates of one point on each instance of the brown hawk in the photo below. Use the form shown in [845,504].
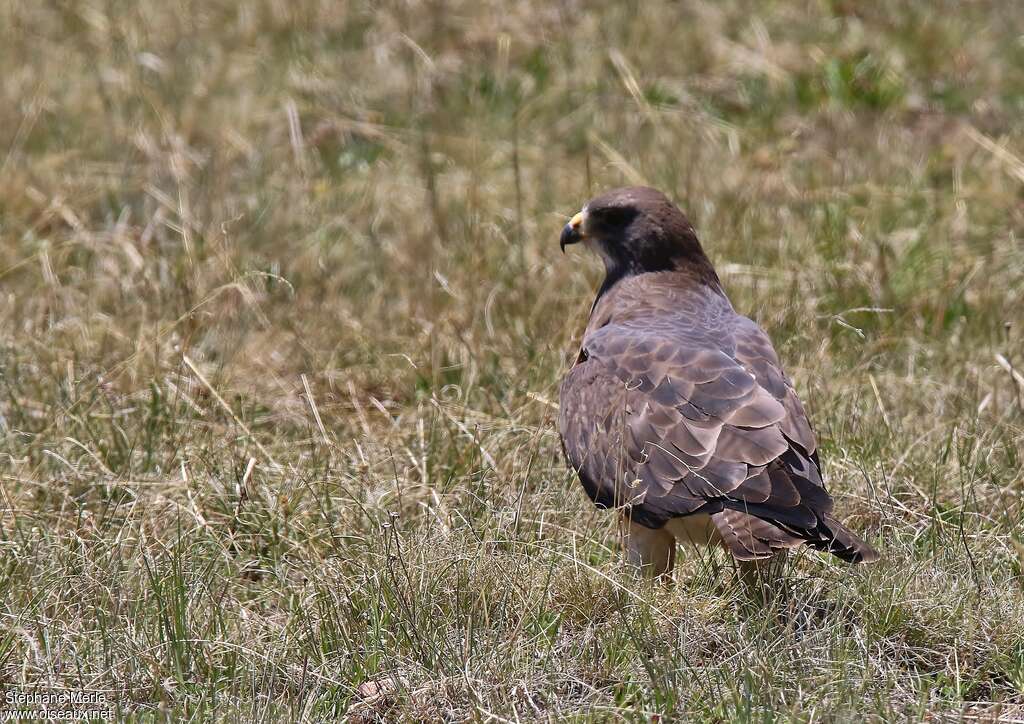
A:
[677,410]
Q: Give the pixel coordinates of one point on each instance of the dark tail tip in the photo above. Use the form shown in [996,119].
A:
[846,545]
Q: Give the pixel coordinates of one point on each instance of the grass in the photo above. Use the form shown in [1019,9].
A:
[282,320]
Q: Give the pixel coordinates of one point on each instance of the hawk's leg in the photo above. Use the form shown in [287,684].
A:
[653,552]
[763,578]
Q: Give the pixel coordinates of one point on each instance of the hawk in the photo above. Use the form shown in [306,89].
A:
[677,410]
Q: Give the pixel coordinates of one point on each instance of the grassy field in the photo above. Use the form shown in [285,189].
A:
[282,320]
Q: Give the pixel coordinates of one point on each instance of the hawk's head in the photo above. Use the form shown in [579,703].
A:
[635,230]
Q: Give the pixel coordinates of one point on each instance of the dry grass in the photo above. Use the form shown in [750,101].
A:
[282,320]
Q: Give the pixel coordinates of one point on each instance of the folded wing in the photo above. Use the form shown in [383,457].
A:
[676,416]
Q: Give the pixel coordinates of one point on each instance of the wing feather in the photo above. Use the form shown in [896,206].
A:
[686,408]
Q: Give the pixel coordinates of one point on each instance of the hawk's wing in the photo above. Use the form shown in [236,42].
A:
[681,413]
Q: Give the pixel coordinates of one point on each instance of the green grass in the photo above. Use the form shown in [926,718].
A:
[282,320]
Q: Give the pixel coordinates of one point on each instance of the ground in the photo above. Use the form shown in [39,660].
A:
[283,316]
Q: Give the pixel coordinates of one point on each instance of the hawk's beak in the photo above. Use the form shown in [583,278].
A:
[572,233]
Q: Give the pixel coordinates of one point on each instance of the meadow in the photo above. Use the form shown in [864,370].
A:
[283,318]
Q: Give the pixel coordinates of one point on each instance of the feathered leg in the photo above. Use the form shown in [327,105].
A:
[762,578]
[653,552]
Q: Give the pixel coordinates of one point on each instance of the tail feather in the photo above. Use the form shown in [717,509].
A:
[750,537]
[844,543]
